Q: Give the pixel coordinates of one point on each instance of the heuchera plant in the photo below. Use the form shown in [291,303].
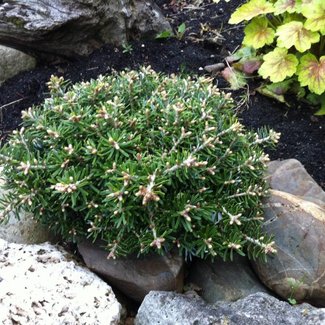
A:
[288,38]
[143,162]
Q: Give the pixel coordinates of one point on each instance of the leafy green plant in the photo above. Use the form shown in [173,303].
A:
[294,286]
[142,161]
[181,29]
[127,48]
[289,39]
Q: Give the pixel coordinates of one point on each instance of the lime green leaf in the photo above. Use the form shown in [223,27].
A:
[321,111]
[165,34]
[301,3]
[295,34]
[258,34]
[315,14]
[250,10]
[181,28]
[280,88]
[278,65]
[246,52]
[282,6]
[311,73]
[293,17]
[268,93]
[276,90]
[317,100]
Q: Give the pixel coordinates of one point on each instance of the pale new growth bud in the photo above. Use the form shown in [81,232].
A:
[25,167]
[264,159]
[126,178]
[69,149]
[28,113]
[185,212]
[208,242]
[75,118]
[64,188]
[147,192]
[65,163]
[275,136]
[203,189]
[233,218]
[92,150]
[53,134]
[157,242]
[234,246]
[269,249]
[211,170]
[114,143]
[112,170]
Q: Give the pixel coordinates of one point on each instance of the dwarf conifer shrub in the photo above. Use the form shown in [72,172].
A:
[143,162]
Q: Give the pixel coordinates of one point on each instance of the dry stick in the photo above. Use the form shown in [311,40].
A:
[8,104]
[14,102]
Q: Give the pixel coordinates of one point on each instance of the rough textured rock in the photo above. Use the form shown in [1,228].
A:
[42,285]
[290,176]
[298,269]
[133,276]
[228,281]
[12,62]
[26,231]
[73,28]
[168,308]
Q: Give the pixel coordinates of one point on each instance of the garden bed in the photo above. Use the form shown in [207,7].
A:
[207,40]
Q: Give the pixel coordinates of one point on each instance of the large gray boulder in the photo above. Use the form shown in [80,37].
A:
[73,28]
[291,176]
[134,276]
[41,284]
[12,62]
[168,308]
[228,281]
[298,269]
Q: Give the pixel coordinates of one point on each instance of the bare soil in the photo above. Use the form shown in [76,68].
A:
[208,39]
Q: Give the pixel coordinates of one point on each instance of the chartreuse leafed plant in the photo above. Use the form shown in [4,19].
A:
[290,37]
[143,162]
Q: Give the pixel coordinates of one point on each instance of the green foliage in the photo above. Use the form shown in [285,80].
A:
[127,48]
[143,162]
[181,29]
[294,285]
[290,36]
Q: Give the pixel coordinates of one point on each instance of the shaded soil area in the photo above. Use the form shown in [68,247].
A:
[208,39]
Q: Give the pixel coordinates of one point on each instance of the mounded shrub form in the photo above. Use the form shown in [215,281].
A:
[143,162]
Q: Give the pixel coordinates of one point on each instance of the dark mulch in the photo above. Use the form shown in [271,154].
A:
[208,39]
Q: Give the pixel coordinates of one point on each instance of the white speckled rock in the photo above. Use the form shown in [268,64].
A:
[41,284]
[12,62]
